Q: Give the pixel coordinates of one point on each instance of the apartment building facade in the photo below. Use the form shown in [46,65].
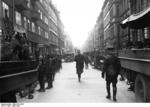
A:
[111,23]
[37,19]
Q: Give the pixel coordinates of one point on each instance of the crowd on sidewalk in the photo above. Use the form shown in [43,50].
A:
[48,67]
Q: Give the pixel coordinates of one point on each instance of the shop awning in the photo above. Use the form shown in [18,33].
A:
[137,21]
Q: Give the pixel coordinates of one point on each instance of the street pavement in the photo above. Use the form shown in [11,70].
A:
[91,89]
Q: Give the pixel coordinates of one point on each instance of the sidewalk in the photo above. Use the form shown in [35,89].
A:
[91,89]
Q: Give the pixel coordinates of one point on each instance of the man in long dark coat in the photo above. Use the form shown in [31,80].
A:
[79,64]
[112,69]
[49,72]
[42,72]
[54,66]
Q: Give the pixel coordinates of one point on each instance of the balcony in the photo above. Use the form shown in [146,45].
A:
[34,1]
[37,38]
[21,4]
[42,24]
[27,13]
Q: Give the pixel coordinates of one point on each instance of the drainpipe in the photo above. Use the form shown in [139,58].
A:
[0,27]
[13,20]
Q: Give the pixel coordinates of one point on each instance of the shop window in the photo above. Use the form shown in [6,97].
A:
[5,10]
[41,1]
[18,18]
[147,37]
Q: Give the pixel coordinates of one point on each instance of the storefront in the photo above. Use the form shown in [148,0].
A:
[138,20]
[139,35]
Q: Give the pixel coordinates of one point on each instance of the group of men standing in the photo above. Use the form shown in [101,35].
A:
[48,67]
[110,71]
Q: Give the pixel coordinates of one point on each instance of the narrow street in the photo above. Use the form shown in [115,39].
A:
[66,88]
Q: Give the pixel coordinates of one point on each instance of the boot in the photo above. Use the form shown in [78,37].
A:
[108,93]
[79,77]
[42,87]
[50,85]
[41,90]
[30,96]
[114,94]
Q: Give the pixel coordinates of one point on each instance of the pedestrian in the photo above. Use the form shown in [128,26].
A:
[49,74]
[112,69]
[59,62]
[42,72]
[79,58]
[54,66]
[86,61]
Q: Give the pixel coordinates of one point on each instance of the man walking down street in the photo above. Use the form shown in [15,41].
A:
[112,69]
[79,58]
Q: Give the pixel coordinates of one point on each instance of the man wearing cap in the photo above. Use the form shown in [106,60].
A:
[112,69]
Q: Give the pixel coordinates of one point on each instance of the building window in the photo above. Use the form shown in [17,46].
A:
[29,27]
[29,3]
[33,27]
[42,32]
[18,18]
[46,20]
[39,29]
[43,17]
[25,22]
[5,10]
[40,14]
[46,35]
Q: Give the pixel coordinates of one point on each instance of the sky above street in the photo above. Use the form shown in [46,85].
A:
[78,17]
